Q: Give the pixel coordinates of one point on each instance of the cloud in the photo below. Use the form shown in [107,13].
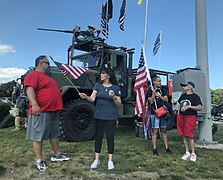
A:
[6,48]
[10,74]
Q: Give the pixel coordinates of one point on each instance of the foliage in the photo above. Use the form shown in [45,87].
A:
[6,89]
[5,119]
[133,159]
[217,96]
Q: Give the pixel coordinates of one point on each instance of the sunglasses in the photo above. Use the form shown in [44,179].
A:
[46,62]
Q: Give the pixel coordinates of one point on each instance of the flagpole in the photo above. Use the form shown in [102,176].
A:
[160,49]
[125,24]
[146,21]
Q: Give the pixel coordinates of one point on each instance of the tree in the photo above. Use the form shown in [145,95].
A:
[6,89]
[217,96]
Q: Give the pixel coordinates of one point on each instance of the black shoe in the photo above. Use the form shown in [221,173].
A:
[155,152]
[168,151]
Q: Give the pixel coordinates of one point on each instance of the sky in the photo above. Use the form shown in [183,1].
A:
[21,42]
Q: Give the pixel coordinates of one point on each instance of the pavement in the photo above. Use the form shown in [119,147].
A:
[213,145]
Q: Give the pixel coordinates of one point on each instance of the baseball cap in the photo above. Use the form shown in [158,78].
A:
[91,26]
[188,83]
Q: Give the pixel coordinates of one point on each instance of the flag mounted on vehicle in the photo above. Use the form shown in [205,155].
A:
[121,20]
[157,44]
[73,71]
[106,14]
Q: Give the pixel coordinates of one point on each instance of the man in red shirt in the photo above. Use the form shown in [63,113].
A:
[45,101]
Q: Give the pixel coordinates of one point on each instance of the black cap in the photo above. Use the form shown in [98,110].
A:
[188,83]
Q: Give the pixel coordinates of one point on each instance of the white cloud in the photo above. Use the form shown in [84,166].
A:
[10,74]
[6,48]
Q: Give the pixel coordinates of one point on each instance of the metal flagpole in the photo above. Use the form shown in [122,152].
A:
[146,21]
[125,24]
[160,49]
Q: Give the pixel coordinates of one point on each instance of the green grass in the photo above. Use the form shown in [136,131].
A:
[133,158]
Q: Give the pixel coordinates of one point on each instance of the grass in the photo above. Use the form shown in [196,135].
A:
[133,159]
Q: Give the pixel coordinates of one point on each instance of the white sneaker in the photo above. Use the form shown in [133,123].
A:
[95,164]
[186,156]
[110,165]
[193,157]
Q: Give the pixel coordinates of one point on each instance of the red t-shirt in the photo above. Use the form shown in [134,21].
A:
[47,91]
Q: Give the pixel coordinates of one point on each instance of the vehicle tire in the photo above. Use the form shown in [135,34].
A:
[215,118]
[77,121]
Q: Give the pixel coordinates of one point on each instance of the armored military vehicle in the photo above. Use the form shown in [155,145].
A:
[76,120]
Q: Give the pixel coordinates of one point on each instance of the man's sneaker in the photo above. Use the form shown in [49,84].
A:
[95,164]
[41,165]
[155,152]
[168,151]
[186,156]
[110,165]
[60,157]
[193,157]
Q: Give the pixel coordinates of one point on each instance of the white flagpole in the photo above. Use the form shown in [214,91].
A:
[160,48]
[146,21]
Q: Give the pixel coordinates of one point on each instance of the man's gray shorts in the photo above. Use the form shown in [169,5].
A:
[43,127]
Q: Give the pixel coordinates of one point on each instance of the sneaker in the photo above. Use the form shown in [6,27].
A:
[41,165]
[155,152]
[60,157]
[95,164]
[168,151]
[186,156]
[193,157]
[16,129]
[110,165]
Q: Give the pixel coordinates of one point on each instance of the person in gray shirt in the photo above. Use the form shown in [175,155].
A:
[106,94]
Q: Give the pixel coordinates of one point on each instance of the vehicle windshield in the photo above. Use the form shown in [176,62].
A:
[91,61]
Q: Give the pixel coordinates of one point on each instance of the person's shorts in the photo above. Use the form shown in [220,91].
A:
[157,122]
[43,127]
[186,125]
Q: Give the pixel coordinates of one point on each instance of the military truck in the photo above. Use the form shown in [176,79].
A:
[76,120]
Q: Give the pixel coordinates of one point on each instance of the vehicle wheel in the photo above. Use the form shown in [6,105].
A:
[214,118]
[77,122]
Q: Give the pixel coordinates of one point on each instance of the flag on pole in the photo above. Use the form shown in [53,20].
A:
[157,44]
[121,20]
[74,71]
[140,87]
[106,14]
[104,23]
[139,2]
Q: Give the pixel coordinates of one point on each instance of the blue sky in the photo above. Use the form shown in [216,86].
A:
[21,42]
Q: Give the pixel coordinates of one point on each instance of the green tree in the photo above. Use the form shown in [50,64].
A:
[6,89]
[217,96]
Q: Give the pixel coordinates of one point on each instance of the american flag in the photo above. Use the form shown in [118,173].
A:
[140,86]
[157,44]
[104,22]
[122,15]
[74,71]
[106,14]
